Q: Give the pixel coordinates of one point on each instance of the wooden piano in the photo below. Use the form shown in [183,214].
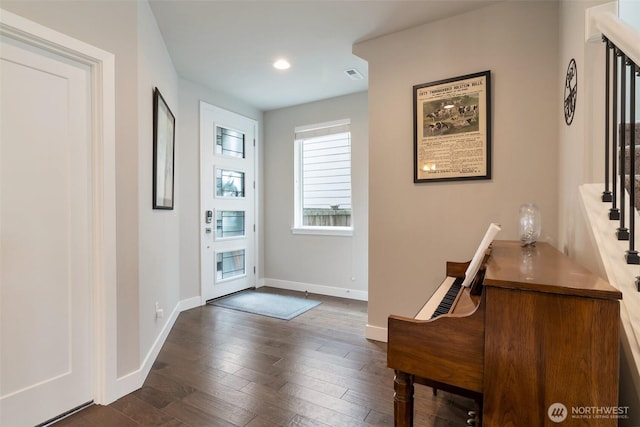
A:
[541,331]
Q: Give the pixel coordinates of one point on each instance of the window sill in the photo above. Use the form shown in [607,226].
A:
[324,231]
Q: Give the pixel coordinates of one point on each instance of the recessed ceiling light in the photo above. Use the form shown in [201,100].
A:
[281,64]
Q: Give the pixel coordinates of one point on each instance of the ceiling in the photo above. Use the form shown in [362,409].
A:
[229,46]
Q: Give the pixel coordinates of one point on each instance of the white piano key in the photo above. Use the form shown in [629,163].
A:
[430,306]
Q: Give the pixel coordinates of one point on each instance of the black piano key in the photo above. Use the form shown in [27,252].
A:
[449,298]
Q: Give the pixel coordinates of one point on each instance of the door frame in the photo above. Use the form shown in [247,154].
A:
[101,69]
[256,195]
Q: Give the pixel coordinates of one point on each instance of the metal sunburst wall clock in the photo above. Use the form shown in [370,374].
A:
[570,92]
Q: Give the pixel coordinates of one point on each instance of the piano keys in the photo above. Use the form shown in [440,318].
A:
[442,300]
[512,346]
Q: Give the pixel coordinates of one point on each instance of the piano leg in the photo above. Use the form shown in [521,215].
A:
[403,399]
[478,413]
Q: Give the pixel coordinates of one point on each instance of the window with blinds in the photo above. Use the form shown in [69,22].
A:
[323,176]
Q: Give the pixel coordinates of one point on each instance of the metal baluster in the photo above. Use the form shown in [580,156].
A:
[622,232]
[632,255]
[637,277]
[614,213]
[606,194]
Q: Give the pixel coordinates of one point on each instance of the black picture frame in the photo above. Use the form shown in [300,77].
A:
[164,136]
[452,129]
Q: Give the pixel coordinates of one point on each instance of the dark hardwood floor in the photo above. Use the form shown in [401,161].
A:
[221,367]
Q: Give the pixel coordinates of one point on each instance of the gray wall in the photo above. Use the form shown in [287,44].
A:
[416,228]
[158,230]
[333,265]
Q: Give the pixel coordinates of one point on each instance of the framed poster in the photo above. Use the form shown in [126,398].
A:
[164,129]
[452,129]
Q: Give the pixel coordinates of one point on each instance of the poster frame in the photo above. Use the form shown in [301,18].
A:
[452,130]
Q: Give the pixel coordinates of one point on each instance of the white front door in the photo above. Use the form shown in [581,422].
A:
[227,194]
[45,235]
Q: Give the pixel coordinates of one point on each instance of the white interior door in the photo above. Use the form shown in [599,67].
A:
[45,235]
[227,193]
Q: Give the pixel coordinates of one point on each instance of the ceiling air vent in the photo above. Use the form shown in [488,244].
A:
[354,74]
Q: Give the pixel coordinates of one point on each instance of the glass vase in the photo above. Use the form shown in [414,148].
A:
[530,224]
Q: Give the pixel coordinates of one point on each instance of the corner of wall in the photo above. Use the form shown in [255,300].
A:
[134,380]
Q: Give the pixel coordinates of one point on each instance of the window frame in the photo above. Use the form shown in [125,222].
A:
[298,222]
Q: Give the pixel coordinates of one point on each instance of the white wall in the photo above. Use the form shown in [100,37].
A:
[158,230]
[580,149]
[416,228]
[330,265]
[189,184]
[630,12]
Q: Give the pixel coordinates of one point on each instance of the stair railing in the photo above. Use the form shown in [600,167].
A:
[622,56]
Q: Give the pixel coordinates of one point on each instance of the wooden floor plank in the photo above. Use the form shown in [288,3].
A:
[221,367]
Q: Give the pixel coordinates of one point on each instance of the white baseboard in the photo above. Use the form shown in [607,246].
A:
[125,384]
[132,381]
[316,289]
[376,333]
[188,304]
